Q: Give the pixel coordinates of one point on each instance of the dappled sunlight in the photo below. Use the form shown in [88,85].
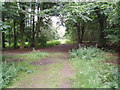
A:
[56,23]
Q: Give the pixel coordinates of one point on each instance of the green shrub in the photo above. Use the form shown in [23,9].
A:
[10,70]
[91,71]
[3,58]
[24,68]
[42,41]
[69,42]
[108,75]
[53,43]
[86,53]
[7,44]
[27,44]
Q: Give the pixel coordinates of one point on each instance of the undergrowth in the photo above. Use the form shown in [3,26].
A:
[8,73]
[53,43]
[91,72]
[10,70]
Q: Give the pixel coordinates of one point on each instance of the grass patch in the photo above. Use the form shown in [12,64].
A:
[39,75]
[29,57]
[12,69]
[91,72]
[41,78]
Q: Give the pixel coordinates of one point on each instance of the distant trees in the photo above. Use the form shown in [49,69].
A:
[79,18]
[28,24]
[27,21]
[76,16]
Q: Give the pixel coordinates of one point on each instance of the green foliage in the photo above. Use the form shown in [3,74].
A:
[3,25]
[27,44]
[75,16]
[43,41]
[113,35]
[24,68]
[113,28]
[34,56]
[86,53]
[91,71]
[9,72]
[3,58]
[11,15]
[69,41]
[53,43]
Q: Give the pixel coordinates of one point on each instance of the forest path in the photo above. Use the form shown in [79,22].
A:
[53,71]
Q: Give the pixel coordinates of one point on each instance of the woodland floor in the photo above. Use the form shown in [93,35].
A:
[53,71]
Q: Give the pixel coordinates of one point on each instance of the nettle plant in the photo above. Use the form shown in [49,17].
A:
[86,53]
[91,71]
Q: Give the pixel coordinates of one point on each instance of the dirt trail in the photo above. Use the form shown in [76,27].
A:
[53,49]
[60,77]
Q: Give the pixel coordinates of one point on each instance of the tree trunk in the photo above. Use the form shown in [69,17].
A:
[33,29]
[33,33]
[37,32]
[15,36]
[3,40]
[82,32]
[102,23]
[30,23]
[3,34]
[37,28]
[118,24]
[10,37]
[78,32]
[22,27]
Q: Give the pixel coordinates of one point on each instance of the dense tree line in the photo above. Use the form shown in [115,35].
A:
[31,22]
[100,16]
